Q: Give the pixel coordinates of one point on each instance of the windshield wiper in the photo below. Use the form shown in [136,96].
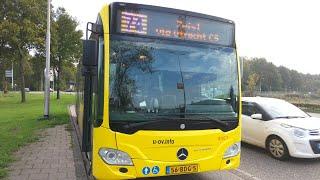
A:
[131,127]
[147,122]
[289,117]
[210,120]
[166,123]
[201,118]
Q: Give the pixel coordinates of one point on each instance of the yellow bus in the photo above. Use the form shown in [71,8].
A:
[158,93]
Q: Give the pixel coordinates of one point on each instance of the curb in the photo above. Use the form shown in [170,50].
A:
[85,162]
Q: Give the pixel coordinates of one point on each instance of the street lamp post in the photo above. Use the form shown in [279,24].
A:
[47,80]
[12,76]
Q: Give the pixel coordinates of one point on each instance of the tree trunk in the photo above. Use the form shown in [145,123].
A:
[4,85]
[41,81]
[58,78]
[21,73]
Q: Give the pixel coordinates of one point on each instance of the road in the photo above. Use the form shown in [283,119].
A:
[225,175]
[255,161]
[256,164]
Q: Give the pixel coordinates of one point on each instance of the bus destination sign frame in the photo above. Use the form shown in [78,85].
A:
[173,25]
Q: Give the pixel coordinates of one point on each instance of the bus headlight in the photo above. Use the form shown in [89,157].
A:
[232,150]
[115,157]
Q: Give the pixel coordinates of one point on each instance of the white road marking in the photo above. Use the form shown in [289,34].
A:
[244,175]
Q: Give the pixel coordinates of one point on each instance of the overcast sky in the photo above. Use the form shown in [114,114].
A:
[285,32]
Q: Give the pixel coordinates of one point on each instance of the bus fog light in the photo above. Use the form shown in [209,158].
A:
[232,150]
[115,157]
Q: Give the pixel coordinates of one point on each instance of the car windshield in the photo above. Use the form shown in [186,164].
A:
[150,80]
[282,109]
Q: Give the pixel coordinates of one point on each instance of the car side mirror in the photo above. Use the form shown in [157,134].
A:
[90,57]
[256,116]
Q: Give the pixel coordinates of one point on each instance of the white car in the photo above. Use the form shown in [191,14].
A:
[280,127]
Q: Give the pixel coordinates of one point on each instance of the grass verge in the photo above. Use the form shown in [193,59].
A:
[20,121]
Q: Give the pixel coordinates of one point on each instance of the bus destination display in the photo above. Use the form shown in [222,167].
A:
[169,25]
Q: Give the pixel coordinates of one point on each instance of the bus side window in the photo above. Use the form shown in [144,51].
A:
[99,84]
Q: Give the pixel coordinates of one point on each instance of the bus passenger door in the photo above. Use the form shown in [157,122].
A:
[93,71]
[98,89]
[89,64]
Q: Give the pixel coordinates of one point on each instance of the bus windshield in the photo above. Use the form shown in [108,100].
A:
[150,80]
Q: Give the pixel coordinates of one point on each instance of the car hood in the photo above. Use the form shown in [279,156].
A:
[309,123]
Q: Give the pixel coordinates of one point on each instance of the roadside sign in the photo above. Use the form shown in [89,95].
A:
[51,75]
[9,73]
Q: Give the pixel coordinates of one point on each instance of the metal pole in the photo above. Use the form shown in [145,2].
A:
[12,76]
[47,80]
[53,79]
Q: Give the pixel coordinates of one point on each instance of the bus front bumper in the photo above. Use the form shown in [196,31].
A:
[149,168]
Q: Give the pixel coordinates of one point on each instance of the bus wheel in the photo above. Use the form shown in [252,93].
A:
[277,148]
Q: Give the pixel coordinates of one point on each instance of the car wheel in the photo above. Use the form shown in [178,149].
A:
[277,148]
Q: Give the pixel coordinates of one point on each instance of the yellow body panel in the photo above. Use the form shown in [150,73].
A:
[201,144]
[206,147]
[104,14]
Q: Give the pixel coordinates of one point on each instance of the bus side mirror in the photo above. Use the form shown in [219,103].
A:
[90,53]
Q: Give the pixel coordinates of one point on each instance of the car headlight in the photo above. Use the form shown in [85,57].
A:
[115,157]
[232,150]
[298,132]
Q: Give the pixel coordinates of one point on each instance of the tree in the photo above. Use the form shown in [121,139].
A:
[252,83]
[22,27]
[5,63]
[68,44]
[285,76]
[35,80]
[296,82]
[5,51]
[273,78]
[246,71]
[38,61]
[270,78]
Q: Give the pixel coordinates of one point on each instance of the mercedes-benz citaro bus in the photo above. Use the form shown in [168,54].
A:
[158,93]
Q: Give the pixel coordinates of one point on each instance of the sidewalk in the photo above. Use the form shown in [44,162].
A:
[54,156]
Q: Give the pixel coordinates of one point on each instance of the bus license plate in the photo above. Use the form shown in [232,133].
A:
[183,169]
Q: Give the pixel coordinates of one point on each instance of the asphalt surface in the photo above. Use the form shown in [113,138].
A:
[222,175]
[256,164]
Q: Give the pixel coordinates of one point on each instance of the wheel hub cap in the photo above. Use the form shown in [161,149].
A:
[276,148]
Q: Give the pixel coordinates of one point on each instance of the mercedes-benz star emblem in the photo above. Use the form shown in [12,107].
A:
[182,126]
[182,154]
